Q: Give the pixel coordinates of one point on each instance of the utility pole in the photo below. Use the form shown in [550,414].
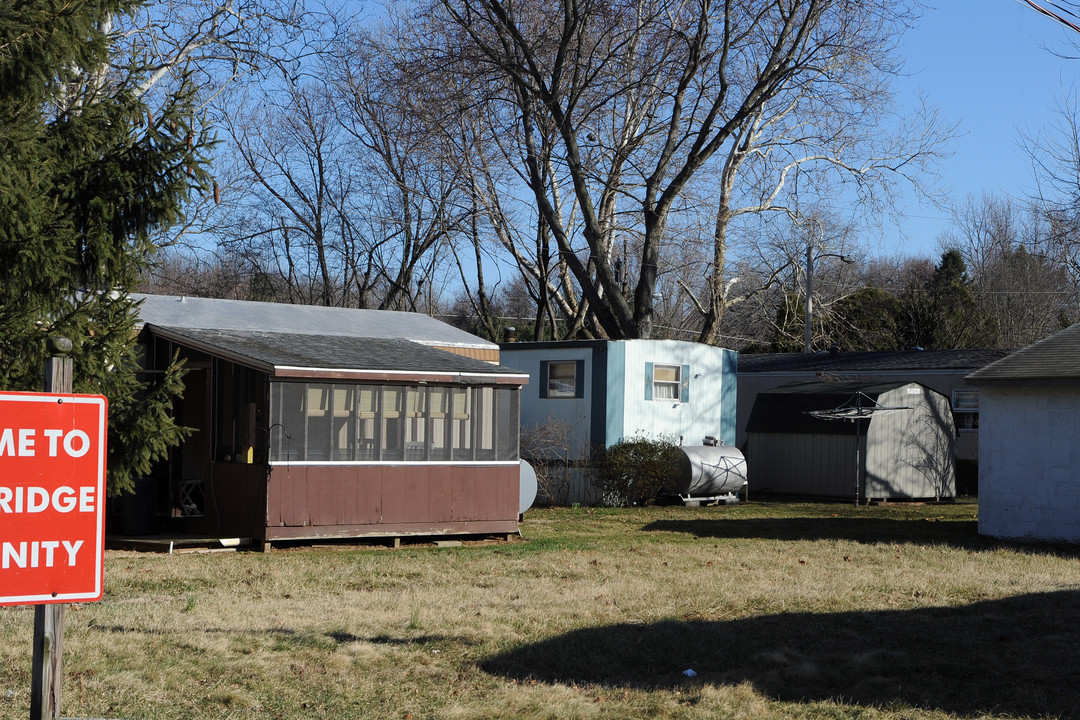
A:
[808,332]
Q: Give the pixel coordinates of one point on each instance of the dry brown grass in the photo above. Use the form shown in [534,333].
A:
[782,610]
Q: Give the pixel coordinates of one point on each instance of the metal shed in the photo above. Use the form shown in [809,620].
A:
[851,440]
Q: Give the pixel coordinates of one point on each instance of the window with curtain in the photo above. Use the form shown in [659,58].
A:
[561,379]
[667,381]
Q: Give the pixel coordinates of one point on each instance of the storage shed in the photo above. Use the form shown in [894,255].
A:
[314,422]
[1029,456]
[940,370]
[850,440]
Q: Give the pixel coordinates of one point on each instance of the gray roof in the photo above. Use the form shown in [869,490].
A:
[901,361]
[1052,360]
[296,355]
[215,314]
[839,389]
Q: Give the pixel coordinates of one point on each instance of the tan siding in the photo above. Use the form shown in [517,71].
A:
[490,355]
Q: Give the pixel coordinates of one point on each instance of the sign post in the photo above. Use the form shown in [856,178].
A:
[52,531]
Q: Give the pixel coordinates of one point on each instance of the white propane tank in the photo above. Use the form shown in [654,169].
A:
[526,488]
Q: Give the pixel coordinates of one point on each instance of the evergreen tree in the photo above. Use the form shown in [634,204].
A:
[88,171]
[865,321]
[941,313]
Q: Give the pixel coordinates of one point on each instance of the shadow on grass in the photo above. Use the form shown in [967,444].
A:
[338,636]
[343,638]
[963,534]
[1018,656]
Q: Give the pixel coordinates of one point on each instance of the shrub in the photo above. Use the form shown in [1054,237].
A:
[636,471]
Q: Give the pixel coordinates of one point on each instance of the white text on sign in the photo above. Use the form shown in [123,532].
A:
[63,499]
[39,553]
[22,442]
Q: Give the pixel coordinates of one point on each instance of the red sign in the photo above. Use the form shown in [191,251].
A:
[52,497]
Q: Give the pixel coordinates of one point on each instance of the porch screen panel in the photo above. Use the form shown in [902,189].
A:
[461,438]
[290,436]
[318,413]
[440,419]
[392,426]
[416,423]
[367,422]
[506,424]
[485,423]
[343,419]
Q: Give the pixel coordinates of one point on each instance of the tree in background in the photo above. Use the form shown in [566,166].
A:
[1028,296]
[634,125]
[864,321]
[1057,12]
[1019,261]
[88,172]
[938,310]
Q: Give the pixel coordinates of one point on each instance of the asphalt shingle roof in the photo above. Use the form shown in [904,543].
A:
[904,361]
[1055,359]
[269,350]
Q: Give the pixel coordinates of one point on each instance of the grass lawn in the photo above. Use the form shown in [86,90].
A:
[779,610]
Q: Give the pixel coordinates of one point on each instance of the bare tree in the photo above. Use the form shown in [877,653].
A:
[612,113]
[1057,13]
[1055,155]
[218,46]
[775,285]
[1018,267]
[409,198]
[292,154]
[217,42]
[557,457]
[344,196]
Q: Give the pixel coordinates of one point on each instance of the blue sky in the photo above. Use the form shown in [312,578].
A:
[988,66]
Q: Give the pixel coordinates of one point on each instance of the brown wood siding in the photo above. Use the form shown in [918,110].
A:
[347,500]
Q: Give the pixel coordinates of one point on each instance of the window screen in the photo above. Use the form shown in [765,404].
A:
[347,422]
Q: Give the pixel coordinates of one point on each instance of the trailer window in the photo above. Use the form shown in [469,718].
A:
[561,379]
[965,403]
[667,380]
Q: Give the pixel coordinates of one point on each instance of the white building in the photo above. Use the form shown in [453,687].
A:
[1029,448]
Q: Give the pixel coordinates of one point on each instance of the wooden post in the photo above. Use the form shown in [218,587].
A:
[49,618]
[48,652]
